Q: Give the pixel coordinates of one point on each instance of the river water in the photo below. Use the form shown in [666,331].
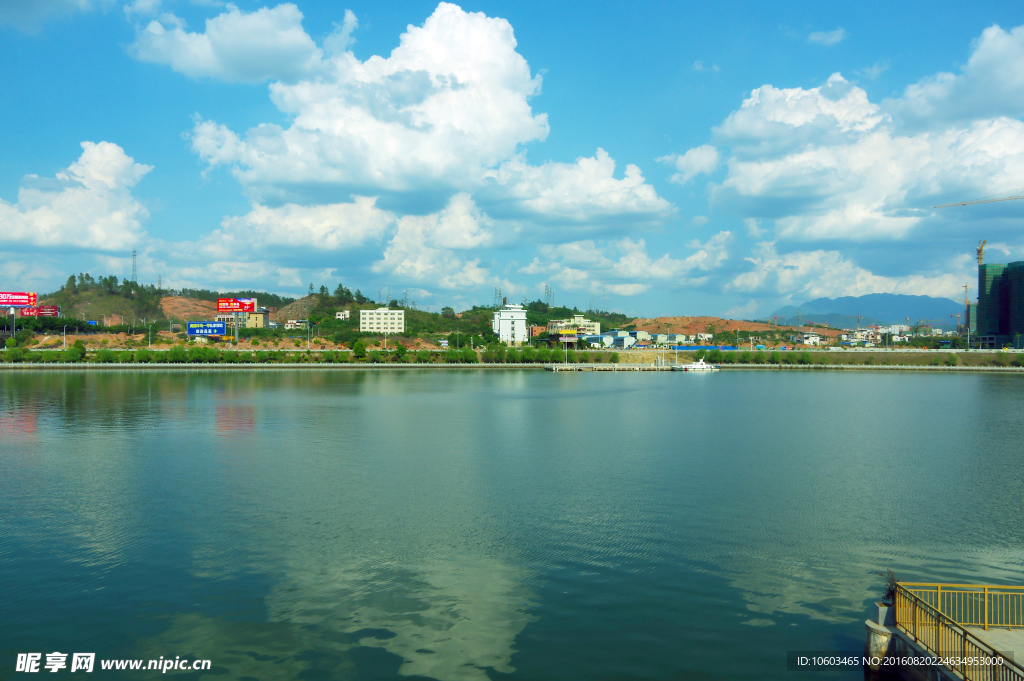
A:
[475,524]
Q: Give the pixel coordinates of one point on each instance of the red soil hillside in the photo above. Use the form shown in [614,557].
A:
[692,325]
[188,309]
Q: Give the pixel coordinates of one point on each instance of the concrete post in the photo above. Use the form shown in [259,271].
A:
[876,641]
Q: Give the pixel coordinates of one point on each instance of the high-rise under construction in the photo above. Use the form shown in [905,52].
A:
[1000,304]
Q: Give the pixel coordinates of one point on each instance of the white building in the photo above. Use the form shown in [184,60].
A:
[382,320]
[509,324]
[342,314]
[578,323]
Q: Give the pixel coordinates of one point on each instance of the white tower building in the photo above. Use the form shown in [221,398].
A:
[510,325]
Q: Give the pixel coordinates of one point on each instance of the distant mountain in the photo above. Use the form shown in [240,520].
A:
[833,319]
[875,308]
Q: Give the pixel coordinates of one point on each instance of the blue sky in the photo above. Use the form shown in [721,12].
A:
[659,159]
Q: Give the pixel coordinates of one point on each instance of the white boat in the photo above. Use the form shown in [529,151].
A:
[699,365]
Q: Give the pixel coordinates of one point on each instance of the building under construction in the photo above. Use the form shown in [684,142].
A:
[1000,314]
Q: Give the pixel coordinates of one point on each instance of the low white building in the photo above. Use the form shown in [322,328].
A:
[382,320]
[342,314]
[509,324]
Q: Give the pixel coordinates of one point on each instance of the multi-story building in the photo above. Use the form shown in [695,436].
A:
[578,324]
[509,323]
[249,320]
[382,320]
[342,314]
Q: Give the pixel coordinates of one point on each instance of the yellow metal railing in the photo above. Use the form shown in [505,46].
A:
[940,634]
[974,605]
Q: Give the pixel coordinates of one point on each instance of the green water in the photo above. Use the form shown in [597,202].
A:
[474,524]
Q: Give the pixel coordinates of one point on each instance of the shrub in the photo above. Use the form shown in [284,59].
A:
[73,354]
[423,356]
[935,361]
[775,357]
[952,360]
[805,358]
[614,359]
[144,356]
[262,357]
[746,357]
[11,343]
[14,354]
[376,357]
[328,356]
[358,350]
[760,357]
[105,356]
[177,355]
[255,342]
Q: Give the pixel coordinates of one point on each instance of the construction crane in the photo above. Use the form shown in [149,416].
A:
[981,244]
[971,203]
[927,322]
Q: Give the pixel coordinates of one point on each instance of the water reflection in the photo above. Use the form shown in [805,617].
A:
[469,524]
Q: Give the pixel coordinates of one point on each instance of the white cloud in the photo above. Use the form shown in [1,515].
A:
[699,160]
[826,163]
[827,38]
[141,8]
[88,205]
[29,15]
[820,273]
[329,227]
[873,72]
[424,248]
[745,311]
[341,39]
[699,220]
[586,265]
[580,191]
[989,85]
[699,66]
[450,102]
[236,46]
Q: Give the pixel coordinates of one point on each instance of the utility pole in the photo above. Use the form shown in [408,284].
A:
[135,272]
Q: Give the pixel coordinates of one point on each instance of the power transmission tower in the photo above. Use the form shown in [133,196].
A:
[135,272]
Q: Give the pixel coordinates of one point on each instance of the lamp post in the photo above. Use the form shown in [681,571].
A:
[65,333]
[104,318]
[150,335]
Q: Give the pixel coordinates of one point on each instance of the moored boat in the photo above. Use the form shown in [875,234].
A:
[699,365]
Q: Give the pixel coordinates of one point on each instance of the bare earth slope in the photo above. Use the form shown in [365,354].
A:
[300,309]
[187,309]
[692,325]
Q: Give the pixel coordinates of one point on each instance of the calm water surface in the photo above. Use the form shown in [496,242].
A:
[488,524]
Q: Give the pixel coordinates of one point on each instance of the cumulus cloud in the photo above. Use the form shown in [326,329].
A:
[236,46]
[989,85]
[88,205]
[581,191]
[604,268]
[699,160]
[329,227]
[827,38]
[826,163]
[821,273]
[451,101]
[426,248]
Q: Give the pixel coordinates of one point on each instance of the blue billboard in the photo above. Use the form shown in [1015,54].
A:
[206,328]
[91,323]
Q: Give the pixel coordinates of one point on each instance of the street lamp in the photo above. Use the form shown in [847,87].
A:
[65,333]
[150,335]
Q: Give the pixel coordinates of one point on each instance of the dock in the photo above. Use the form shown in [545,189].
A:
[959,628]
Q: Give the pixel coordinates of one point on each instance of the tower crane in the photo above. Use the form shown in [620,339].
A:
[981,244]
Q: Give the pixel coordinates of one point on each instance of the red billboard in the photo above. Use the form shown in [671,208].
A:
[236,305]
[41,311]
[11,299]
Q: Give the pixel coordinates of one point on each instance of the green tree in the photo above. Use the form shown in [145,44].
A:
[105,356]
[177,355]
[359,349]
